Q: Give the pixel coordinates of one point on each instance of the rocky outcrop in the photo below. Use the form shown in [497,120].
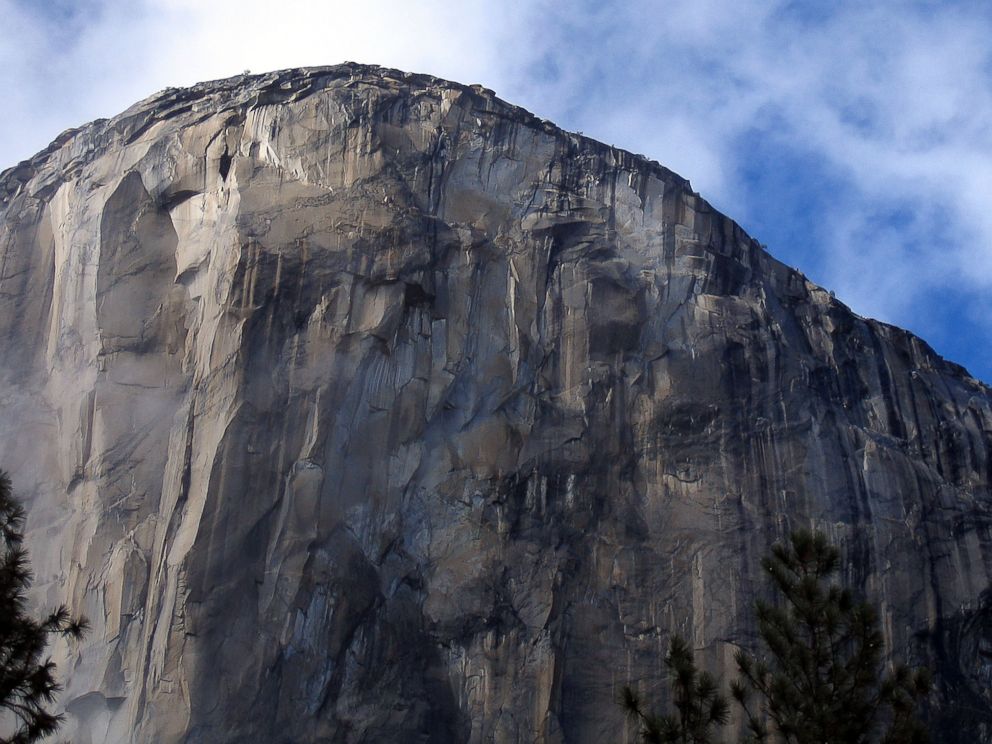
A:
[359,406]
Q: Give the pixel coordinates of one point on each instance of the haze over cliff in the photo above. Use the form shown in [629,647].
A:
[352,405]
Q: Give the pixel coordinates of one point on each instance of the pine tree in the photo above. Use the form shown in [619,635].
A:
[698,704]
[823,681]
[27,680]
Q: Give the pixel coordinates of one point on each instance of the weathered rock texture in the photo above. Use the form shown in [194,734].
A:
[358,406]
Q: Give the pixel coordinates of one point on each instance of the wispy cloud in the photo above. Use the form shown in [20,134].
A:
[855,139]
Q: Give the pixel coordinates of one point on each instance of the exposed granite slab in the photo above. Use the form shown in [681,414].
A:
[360,406]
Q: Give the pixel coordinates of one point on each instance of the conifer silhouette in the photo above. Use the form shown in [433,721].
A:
[699,706]
[27,678]
[823,679]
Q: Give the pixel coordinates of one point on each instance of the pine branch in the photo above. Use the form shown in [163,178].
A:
[27,680]
[825,679]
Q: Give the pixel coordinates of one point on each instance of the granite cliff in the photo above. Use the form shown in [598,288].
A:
[359,406]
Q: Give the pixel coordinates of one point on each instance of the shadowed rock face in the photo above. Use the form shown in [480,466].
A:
[357,406]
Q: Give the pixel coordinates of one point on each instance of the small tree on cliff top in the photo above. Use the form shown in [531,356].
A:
[27,681]
[823,681]
[698,704]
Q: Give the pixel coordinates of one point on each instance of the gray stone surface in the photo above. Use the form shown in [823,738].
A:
[359,406]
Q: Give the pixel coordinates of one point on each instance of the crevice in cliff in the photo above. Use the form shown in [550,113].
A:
[225,163]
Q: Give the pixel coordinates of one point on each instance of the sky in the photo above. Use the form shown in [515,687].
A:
[854,139]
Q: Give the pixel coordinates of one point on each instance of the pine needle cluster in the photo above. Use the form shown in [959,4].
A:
[823,680]
[699,706]
[27,677]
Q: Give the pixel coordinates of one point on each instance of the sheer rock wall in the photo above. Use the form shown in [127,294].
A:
[358,406]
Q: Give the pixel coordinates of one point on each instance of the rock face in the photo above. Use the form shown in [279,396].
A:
[358,406]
